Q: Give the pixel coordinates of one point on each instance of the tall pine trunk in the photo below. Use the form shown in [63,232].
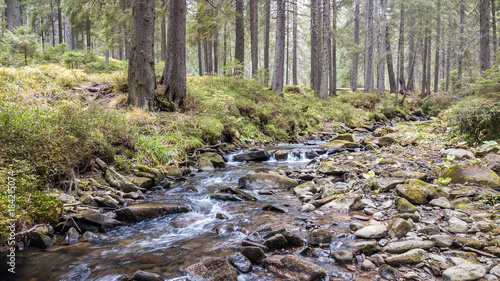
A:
[333,56]
[424,64]
[279,53]
[484,42]
[239,48]
[13,14]
[68,33]
[294,52]
[141,71]
[369,47]
[325,52]
[438,38]
[59,21]
[200,57]
[461,41]
[254,35]
[401,51]
[381,48]
[354,79]
[174,74]
[494,25]
[393,88]
[163,45]
[315,46]
[267,40]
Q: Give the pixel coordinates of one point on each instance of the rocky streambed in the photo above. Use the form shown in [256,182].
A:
[358,207]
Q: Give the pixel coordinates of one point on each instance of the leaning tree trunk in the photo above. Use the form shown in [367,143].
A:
[354,79]
[484,43]
[279,54]
[239,48]
[173,79]
[369,48]
[325,52]
[254,35]
[141,70]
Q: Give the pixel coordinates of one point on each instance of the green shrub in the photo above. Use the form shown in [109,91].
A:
[77,58]
[436,103]
[54,54]
[475,120]
[292,89]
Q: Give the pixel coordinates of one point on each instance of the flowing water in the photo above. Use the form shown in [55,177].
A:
[169,244]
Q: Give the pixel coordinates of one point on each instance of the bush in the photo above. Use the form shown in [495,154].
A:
[475,120]
[77,58]
[436,103]
[54,54]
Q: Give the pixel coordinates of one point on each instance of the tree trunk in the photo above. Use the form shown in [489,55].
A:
[315,45]
[216,52]
[254,35]
[325,52]
[294,55]
[461,41]
[390,67]
[484,43]
[239,48]
[279,54]
[163,46]
[13,14]
[266,40]
[381,48]
[412,54]
[448,56]
[401,51]
[87,32]
[52,23]
[369,47]
[354,80]
[68,33]
[429,60]
[333,55]
[424,65]
[494,25]
[200,58]
[224,52]
[287,40]
[141,71]
[59,21]
[210,62]
[438,38]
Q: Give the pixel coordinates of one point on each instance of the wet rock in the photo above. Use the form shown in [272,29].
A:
[305,189]
[90,237]
[464,272]
[362,218]
[210,160]
[431,191]
[254,254]
[366,247]
[45,229]
[413,216]
[320,236]
[280,155]
[41,240]
[372,232]
[460,257]
[388,272]
[404,206]
[383,242]
[221,216]
[456,225]
[346,137]
[386,184]
[142,276]
[266,181]
[213,269]
[458,153]
[383,141]
[119,182]
[380,132]
[241,262]
[225,197]
[311,154]
[293,239]
[107,201]
[404,246]
[256,155]
[472,173]
[411,257]
[409,175]
[294,268]
[493,162]
[342,256]
[143,182]
[441,202]
[276,242]
[142,212]
[274,208]
[411,193]
[72,236]
[442,240]
[173,171]
[398,227]
[95,218]
[460,203]
[307,208]
[368,265]
[343,203]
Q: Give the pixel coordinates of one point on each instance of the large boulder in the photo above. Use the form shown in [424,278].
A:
[254,155]
[294,268]
[266,181]
[213,269]
[493,161]
[459,153]
[464,272]
[95,218]
[472,173]
[210,160]
[142,212]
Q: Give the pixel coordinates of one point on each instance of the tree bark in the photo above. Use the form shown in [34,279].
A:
[448,56]
[13,14]
[294,53]
[390,66]
[163,46]
[381,48]
[429,60]
[254,35]
[484,43]
[141,71]
[287,40]
[333,55]
[494,25]
[87,33]
[438,38]
[174,74]
[267,40]
[424,65]
[68,33]
[461,41]
[325,52]
[401,51]
[412,54]
[52,20]
[315,45]
[59,21]
[200,58]
[216,51]
[279,54]
[369,47]
[354,80]
[239,48]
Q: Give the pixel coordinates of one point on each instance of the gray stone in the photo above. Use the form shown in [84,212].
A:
[213,269]
[320,236]
[119,182]
[459,153]
[398,227]
[266,181]
[404,246]
[456,225]
[342,256]
[411,257]
[387,184]
[276,242]
[441,202]
[72,236]
[257,155]
[368,265]
[464,272]
[343,203]
[442,240]
[372,232]
[142,212]
[472,173]
[411,193]
[95,218]
[294,268]
[241,262]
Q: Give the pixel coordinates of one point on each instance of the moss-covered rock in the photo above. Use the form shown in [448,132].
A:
[346,137]
[404,206]
[294,268]
[266,181]
[119,181]
[411,257]
[404,174]
[331,168]
[380,132]
[210,160]
[341,144]
[398,227]
[411,193]
[96,219]
[472,173]
[213,269]
[320,236]
[405,246]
